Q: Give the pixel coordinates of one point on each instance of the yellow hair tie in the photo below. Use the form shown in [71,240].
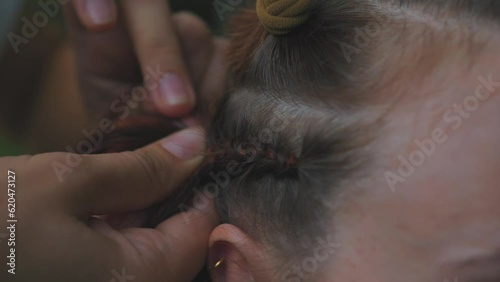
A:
[280,17]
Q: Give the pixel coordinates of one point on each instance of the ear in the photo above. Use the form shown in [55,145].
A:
[234,256]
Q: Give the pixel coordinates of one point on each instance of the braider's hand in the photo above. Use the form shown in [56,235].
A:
[139,43]
[57,240]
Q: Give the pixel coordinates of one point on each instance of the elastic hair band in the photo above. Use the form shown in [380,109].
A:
[281,17]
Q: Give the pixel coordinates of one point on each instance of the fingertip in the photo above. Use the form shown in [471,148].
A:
[175,96]
[194,225]
[97,15]
[186,145]
[200,217]
[188,233]
[202,212]
[174,111]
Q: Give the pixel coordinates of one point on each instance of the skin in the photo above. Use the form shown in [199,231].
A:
[84,248]
[142,35]
[56,226]
[442,223]
[94,80]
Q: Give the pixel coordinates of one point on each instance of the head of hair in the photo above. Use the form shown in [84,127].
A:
[310,96]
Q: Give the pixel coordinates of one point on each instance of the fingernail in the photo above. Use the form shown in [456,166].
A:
[187,144]
[101,11]
[175,91]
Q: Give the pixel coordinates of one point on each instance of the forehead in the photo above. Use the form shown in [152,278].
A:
[447,131]
[435,202]
[441,182]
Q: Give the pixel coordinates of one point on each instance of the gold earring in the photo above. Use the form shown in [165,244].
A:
[217,264]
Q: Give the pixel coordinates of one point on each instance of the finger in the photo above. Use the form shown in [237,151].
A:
[130,181]
[160,56]
[197,44]
[187,233]
[107,63]
[96,14]
[214,81]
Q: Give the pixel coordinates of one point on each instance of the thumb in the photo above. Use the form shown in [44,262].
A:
[129,181]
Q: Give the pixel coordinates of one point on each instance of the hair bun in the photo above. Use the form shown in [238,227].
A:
[280,17]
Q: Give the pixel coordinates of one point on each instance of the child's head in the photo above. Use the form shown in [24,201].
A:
[363,145]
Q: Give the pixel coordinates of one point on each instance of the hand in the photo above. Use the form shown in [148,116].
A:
[142,43]
[58,240]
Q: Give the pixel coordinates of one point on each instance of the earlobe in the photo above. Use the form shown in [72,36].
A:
[233,255]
